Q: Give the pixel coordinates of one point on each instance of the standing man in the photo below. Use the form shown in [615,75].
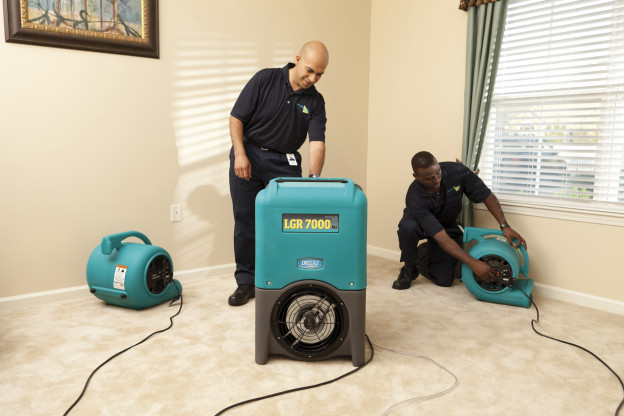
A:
[433,203]
[272,116]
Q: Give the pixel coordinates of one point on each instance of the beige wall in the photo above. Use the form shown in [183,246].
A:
[94,144]
[416,102]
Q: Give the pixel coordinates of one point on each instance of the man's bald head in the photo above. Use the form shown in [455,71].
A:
[315,50]
[310,65]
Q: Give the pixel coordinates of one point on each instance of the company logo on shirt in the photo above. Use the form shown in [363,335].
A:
[304,109]
[456,188]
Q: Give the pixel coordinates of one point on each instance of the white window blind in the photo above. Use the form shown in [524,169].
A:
[555,133]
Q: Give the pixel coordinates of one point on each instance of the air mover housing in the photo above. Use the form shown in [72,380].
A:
[507,261]
[129,274]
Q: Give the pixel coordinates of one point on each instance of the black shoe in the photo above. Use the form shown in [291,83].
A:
[242,295]
[404,281]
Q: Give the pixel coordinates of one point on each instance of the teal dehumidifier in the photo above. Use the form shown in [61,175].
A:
[311,270]
[129,274]
[508,263]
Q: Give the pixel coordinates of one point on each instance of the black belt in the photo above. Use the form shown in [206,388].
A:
[264,149]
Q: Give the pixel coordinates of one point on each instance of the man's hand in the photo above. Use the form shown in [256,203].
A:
[242,167]
[511,235]
[492,204]
[482,270]
[478,267]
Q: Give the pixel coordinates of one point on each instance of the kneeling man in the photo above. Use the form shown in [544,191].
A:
[433,203]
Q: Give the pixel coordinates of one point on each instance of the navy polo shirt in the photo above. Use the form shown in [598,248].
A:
[441,210]
[277,117]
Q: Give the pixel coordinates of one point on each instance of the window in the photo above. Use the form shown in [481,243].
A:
[555,133]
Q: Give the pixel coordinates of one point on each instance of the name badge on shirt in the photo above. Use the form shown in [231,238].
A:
[292,160]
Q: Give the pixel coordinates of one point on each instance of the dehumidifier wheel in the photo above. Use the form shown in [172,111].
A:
[159,274]
[309,322]
[501,266]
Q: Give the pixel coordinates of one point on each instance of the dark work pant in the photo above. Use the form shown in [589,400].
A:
[265,165]
[438,266]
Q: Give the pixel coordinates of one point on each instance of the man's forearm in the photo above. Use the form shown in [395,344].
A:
[512,236]
[492,204]
[242,167]
[449,245]
[317,157]
[480,268]
[236,134]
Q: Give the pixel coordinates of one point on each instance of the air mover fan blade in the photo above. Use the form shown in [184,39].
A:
[503,271]
[158,274]
[309,321]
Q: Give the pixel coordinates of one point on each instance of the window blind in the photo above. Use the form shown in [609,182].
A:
[555,133]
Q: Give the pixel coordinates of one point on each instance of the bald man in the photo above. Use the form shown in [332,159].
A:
[273,115]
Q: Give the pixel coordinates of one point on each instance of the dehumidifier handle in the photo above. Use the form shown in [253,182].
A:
[113,241]
[282,180]
[274,184]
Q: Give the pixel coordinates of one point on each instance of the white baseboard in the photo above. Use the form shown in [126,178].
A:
[578,298]
[551,292]
[40,298]
[204,272]
[384,252]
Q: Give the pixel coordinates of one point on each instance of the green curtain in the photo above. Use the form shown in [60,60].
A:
[486,24]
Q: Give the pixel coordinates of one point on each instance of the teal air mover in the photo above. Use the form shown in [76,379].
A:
[310,269]
[508,263]
[132,275]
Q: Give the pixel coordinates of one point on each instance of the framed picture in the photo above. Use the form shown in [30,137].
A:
[128,27]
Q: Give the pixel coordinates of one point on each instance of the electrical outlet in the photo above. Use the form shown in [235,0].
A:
[176,212]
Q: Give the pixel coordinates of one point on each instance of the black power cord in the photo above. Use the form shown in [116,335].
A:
[304,387]
[534,321]
[121,352]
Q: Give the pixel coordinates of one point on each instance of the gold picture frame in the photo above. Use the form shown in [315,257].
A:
[128,27]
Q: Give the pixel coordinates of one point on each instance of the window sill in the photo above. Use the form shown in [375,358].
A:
[570,214]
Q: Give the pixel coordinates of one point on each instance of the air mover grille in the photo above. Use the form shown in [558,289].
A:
[309,321]
[503,270]
[159,274]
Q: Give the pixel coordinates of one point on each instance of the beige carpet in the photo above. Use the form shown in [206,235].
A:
[206,361]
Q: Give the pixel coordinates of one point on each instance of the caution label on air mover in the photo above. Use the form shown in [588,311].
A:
[119,279]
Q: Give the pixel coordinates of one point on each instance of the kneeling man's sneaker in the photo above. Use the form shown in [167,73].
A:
[404,281]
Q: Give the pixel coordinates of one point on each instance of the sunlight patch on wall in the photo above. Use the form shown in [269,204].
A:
[283,53]
[209,72]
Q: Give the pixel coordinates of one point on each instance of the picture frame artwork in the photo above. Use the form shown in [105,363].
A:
[128,27]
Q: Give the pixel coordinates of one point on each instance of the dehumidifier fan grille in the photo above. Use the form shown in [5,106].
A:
[501,267]
[158,274]
[309,322]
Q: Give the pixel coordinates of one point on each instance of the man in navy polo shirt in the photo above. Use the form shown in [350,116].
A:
[272,116]
[433,203]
